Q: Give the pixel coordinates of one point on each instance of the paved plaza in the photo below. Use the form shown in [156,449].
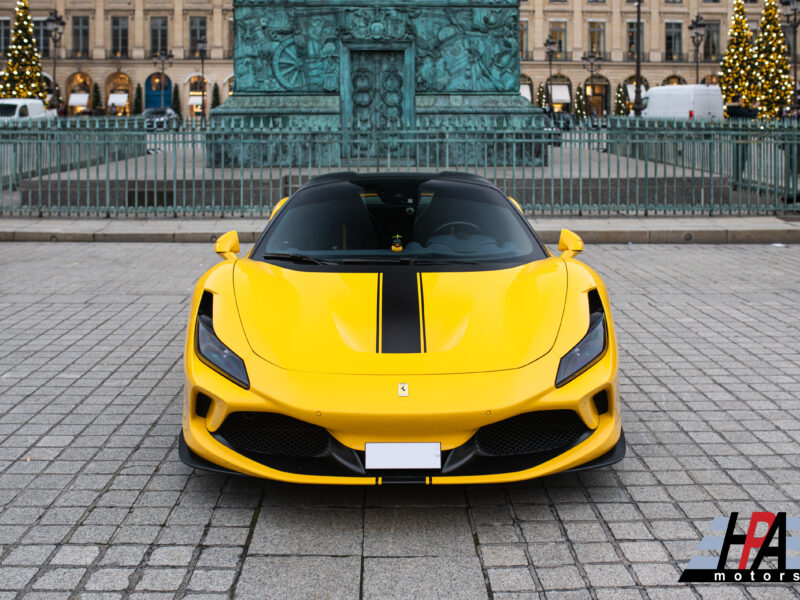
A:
[94,502]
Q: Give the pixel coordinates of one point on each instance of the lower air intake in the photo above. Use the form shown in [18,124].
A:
[273,434]
[531,433]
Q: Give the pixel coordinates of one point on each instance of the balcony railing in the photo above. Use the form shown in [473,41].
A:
[631,56]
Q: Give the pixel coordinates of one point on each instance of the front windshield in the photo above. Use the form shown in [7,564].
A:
[8,110]
[400,220]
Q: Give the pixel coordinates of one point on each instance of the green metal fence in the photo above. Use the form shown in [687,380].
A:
[237,167]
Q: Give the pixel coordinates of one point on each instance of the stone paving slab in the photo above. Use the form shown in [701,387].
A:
[95,504]
[604,230]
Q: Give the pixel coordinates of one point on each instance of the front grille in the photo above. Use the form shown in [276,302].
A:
[531,433]
[273,434]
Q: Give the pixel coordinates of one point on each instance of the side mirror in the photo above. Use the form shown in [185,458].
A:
[227,245]
[569,243]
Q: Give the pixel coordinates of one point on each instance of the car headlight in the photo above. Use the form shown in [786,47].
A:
[217,355]
[587,352]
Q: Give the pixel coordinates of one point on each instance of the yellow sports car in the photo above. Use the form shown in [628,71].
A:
[400,328]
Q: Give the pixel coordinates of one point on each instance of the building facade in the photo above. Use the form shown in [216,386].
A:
[111,42]
[609,29]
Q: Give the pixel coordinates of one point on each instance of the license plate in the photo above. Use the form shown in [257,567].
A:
[404,456]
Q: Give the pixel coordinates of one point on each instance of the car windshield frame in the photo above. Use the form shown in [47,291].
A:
[431,255]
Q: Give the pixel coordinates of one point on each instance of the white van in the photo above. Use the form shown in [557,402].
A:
[683,102]
[22,108]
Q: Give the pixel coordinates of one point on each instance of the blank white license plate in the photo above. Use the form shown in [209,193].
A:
[404,456]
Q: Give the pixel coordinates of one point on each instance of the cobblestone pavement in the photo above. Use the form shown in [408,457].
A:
[94,502]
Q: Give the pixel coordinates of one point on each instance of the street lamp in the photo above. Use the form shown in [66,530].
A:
[592,63]
[202,46]
[638,106]
[698,30]
[791,10]
[164,59]
[54,25]
[549,51]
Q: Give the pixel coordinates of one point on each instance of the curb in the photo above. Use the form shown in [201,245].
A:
[548,236]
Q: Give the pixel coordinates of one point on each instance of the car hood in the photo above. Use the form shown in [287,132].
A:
[353,323]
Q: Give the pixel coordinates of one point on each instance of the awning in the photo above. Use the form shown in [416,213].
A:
[118,99]
[525,91]
[196,100]
[78,99]
[560,93]
[632,91]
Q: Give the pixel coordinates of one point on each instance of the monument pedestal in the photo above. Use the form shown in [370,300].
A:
[406,69]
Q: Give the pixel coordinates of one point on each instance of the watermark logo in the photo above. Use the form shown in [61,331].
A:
[768,551]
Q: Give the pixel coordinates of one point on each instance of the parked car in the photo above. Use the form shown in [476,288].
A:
[22,108]
[683,102]
[161,119]
[400,328]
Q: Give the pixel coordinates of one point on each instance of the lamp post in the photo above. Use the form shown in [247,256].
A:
[549,51]
[698,30]
[161,60]
[791,10]
[592,63]
[54,24]
[637,89]
[202,46]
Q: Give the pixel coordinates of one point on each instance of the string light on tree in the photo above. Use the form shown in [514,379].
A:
[580,103]
[22,77]
[541,97]
[620,102]
[772,69]
[737,77]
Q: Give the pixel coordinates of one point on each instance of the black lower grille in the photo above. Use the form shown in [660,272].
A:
[273,434]
[531,433]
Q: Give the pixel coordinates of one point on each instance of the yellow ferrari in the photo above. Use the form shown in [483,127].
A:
[400,328]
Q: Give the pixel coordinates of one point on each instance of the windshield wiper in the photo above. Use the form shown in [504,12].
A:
[295,258]
[379,259]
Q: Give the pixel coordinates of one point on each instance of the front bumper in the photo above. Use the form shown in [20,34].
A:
[449,409]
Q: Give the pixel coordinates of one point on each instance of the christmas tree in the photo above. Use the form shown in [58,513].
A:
[580,104]
[738,78]
[176,101]
[137,100]
[22,77]
[95,102]
[541,97]
[772,69]
[620,102]
[215,101]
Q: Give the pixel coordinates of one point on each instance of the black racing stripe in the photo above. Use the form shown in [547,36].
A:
[400,314]
[422,314]
[378,319]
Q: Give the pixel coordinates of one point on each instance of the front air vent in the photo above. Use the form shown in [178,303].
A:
[201,405]
[531,433]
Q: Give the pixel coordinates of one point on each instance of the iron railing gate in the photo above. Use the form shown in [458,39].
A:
[236,167]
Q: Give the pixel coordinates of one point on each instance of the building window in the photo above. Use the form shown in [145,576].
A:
[558,31]
[674,1]
[197,32]
[158,35]
[597,37]
[711,41]
[673,41]
[5,35]
[119,37]
[599,1]
[80,37]
[633,39]
[231,37]
[711,1]
[523,39]
[42,37]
